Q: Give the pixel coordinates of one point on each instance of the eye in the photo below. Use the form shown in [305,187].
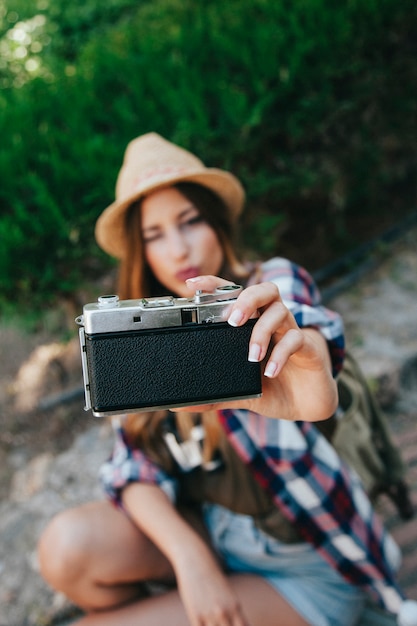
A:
[191,221]
[150,237]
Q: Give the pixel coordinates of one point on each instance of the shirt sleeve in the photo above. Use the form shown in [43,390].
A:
[127,465]
[300,294]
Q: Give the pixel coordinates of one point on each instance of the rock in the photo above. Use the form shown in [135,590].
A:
[50,366]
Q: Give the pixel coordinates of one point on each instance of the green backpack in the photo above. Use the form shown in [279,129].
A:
[360,433]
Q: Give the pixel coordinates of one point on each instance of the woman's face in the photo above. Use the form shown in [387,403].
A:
[178,243]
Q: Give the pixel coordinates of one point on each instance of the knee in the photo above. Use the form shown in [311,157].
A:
[63,549]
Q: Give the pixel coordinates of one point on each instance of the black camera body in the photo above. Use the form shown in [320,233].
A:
[164,352]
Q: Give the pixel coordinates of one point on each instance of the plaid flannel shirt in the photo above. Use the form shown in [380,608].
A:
[294,462]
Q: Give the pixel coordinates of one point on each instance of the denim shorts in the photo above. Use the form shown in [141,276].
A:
[298,573]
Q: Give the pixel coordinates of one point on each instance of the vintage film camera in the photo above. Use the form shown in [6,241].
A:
[164,352]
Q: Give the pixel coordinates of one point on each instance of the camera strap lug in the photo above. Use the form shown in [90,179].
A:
[87,396]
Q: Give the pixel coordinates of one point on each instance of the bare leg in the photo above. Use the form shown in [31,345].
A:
[261,604]
[97,557]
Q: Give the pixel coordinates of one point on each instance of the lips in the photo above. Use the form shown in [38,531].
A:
[189,272]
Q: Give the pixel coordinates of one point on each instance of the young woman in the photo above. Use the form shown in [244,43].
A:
[264,526]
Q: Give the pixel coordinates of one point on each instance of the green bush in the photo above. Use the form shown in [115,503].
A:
[310,103]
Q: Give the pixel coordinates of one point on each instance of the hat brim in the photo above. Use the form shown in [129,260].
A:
[110,229]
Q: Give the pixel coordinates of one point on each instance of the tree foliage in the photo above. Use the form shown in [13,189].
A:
[311,103]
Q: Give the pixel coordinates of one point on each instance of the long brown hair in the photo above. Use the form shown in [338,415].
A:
[135,277]
[136,280]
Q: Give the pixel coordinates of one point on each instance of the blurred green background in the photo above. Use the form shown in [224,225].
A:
[312,103]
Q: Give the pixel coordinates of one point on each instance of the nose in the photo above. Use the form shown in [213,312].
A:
[177,244]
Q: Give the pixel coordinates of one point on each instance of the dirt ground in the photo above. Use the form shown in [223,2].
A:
[38,365]
[34,367]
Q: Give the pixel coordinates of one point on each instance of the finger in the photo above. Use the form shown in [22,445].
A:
[290,343]
[251,300]
[275,320]
[226,617]
[239,620]
[198,408]
[207,283]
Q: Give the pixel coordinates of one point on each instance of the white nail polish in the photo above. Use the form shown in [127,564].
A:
[254,353]
[270,369]
[235,318]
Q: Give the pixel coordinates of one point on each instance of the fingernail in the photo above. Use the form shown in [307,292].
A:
[193,280]
[254,353]
[271,369]
[235,318]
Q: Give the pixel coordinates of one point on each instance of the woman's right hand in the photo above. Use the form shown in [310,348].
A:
[207,595]
[292,358]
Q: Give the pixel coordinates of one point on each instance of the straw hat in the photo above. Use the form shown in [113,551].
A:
[151,162]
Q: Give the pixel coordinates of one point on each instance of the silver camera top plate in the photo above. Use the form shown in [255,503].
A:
[109,314]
